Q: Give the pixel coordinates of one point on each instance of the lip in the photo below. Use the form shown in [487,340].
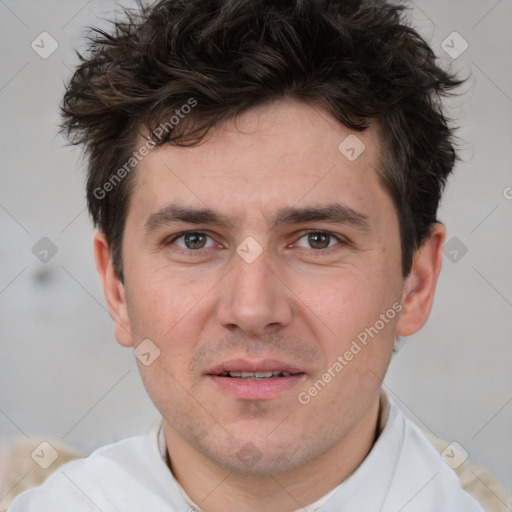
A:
[242,365]
[255,389]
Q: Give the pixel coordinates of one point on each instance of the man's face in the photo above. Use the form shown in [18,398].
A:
[263,249]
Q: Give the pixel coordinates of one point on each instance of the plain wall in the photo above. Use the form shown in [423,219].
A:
[61,372]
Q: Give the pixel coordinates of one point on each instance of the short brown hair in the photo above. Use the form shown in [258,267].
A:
[357,58]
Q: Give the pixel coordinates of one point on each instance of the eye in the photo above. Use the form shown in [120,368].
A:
[192,240]
[318,240]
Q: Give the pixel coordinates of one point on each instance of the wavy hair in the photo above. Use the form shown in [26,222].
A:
[358,59]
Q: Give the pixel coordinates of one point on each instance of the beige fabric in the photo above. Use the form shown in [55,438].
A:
[477,481]
[23,473]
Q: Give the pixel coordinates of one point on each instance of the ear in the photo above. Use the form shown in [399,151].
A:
[113,289]
[420,285]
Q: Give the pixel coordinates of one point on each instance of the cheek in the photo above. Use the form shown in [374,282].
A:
[172,310]
[341,298]
[355,328]
[348,307]
[163,300]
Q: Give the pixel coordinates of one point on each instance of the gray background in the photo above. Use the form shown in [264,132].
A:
[61,372]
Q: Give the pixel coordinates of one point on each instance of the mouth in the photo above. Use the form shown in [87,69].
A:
[257,375]
[254,370]
[255,380]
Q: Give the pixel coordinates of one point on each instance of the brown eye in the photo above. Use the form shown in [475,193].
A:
[194,240]
[319,240]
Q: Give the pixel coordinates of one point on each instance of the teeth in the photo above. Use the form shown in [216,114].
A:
[256,375]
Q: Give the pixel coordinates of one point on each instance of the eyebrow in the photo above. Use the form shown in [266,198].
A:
[335,213]
[173,214]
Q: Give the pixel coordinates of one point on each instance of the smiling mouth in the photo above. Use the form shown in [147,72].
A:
[263,380]
[256,375]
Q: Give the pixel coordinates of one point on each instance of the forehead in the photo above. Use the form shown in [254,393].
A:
[277,155]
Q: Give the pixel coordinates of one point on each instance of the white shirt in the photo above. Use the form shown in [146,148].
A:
[402,472]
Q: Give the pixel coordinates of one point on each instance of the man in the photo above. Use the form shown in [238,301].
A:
[265,177]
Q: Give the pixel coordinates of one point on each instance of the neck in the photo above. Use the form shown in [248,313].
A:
[216,489]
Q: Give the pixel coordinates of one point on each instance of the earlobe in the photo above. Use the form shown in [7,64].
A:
[420,285]
[113,290]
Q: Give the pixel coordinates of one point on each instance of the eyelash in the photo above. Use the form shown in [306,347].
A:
[194,252]
[341,241]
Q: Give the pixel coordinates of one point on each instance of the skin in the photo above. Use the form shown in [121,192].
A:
[301,302]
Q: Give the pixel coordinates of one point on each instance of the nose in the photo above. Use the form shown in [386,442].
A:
[253,298]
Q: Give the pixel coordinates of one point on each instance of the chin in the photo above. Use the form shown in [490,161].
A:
[268,464]
[258,456]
